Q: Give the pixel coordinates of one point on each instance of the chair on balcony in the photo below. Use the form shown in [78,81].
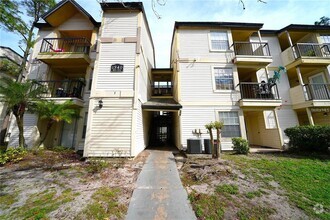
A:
[265,91]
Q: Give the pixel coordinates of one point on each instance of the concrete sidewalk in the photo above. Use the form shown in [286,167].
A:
[159,194]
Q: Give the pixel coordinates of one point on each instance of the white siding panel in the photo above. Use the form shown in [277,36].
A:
[77,22]
[144,82]
[122,53]
[194,44]
[122,24]
[195,118]
[140,143]
[287,118]
[109,133]
[31,132]
[197,85]
[146,39]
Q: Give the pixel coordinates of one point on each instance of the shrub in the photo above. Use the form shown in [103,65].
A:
[241,146]
[12,155]
[96,166]
[309,138]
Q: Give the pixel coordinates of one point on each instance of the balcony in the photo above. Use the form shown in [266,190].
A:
[306,54]
[259,95]
[310,95]
[161,90]
[65,51]
[251,53]
[64,90]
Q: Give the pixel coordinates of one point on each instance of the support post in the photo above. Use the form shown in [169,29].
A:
[279,129]
[310,116]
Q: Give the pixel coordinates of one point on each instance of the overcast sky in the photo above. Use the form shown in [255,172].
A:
[275,14]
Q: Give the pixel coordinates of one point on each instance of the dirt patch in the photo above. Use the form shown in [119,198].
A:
[62,180]
[233,194]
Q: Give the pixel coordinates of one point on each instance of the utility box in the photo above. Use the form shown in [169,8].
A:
[207,146]
[194,146]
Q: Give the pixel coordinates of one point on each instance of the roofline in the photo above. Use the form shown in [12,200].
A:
[61,3]
[268,32]
[12,51]
[219,24]
[303,27]
[130,6]
[162,69]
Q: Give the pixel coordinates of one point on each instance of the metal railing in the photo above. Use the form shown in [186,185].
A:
[161,90]
[58,45]
[263,91]
[311,50]
[64,88]
[251,48]
[317,91]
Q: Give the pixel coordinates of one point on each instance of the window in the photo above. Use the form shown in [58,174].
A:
[270,121]
[219,40]
[325,39]
[231,126]
[85,126]
[223,78]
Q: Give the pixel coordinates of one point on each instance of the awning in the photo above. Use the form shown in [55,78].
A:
[161,103]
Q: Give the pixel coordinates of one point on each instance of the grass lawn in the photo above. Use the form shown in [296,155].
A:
[306,179]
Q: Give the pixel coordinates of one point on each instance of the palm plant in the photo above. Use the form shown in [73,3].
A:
[18,97]
[209,127]
[218,125]
[54,113]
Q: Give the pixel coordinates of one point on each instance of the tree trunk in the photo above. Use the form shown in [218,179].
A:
[20,125]
[212,143]
[218,144]
[49,126]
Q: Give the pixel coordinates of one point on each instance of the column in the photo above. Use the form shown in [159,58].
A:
[310,116]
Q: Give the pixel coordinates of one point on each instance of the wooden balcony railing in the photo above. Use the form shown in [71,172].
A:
[311,50]
[317,91]
[64,88]
[162,90]
[251,48]
[262,91]
[71,45]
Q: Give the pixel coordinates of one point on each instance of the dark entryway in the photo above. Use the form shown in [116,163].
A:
[161,129]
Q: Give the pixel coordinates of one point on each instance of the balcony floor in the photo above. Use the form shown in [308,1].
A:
[64,59]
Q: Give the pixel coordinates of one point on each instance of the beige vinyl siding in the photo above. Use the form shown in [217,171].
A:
[146,43]
[77,22]
[194,44]
[195,117]
[109,128]
[287,118]
[113,53]
[120,24]
[144,80]
[197,84]
[31,132]
[140,131]
[320,119]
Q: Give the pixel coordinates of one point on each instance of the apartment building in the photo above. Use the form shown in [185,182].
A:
[218,71]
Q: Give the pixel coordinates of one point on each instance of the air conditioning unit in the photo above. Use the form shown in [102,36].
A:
[194,146]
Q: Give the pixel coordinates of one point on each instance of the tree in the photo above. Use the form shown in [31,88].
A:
[218,125]
[19,17]
[209,127]
[54,113]
[323,21]
[18,97]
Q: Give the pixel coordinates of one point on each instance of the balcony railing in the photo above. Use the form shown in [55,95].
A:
[60,45]
[263,91]
[64,88]
[162,90]
[317,91]
[311,50]
[251,48]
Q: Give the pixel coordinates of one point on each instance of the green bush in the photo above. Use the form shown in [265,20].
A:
[241,146]
[96,165]
[12,155]
[309,138]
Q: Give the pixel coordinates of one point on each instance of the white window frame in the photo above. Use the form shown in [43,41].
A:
[214,83]
[325,36]
[238,117]
[270,121]
[210,44]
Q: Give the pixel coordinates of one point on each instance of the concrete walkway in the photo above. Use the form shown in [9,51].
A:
[159,194]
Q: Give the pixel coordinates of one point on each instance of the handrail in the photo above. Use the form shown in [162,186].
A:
[64,88]
[311,50]
[317,91]
[261,91]
[58,45]
[251,48]
[162,90]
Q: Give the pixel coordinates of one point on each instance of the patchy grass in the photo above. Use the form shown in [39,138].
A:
[227,188]
[253,194]
[7,199]
[96,166]
[105,205]
[207,206]
[256,212]
[304,178]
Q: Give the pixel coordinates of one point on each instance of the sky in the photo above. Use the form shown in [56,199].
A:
[275,14]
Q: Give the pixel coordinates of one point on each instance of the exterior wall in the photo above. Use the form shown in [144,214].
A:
[195,117]
[287,118]
[120,24]
[76,22]
[320,119]
[109,128]
[140,143]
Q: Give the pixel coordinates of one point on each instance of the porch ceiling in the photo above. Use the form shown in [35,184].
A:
[161,103]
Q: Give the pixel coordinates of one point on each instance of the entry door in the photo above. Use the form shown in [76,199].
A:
[318,87]
[68,134]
